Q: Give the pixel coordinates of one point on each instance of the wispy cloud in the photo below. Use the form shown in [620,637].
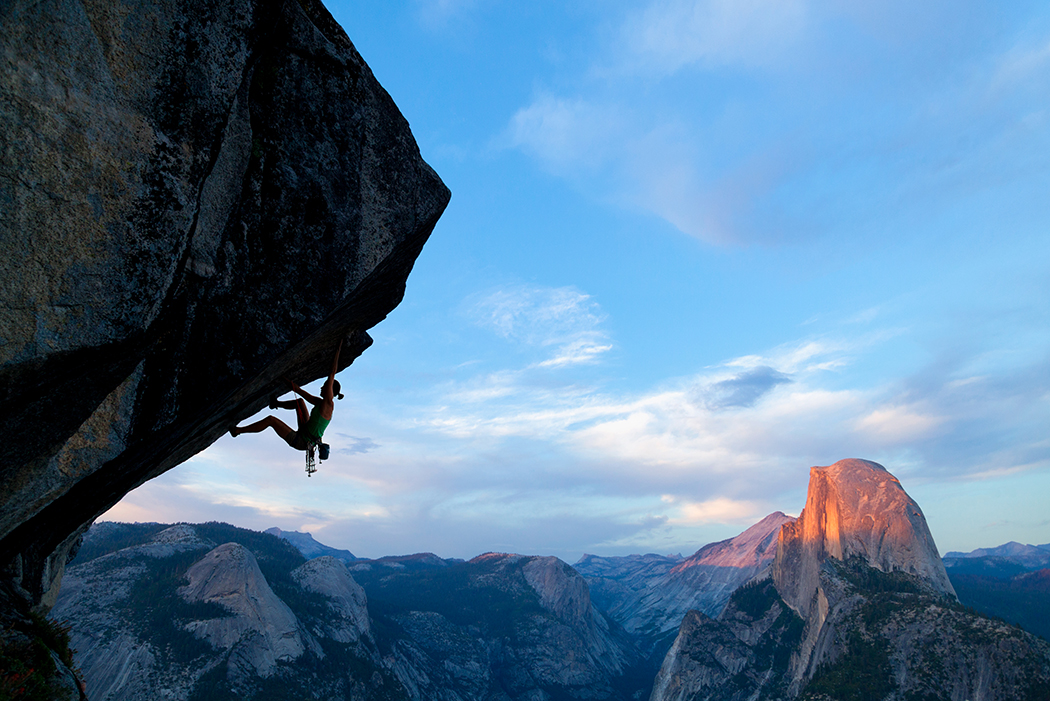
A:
[869,117]
[563,322]
[568,135]
[1024,65]
[436,14]
[608,149]
[670,34]
[719,510]
[748,425]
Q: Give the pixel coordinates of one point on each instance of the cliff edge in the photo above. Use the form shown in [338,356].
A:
[196,198]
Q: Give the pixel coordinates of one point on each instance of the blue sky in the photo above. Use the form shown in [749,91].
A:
[694,248]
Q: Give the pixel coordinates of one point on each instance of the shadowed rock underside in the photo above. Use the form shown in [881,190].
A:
[196,198]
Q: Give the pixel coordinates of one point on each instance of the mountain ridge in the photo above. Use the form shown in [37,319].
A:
[310,547]
[520,627]
[857,605]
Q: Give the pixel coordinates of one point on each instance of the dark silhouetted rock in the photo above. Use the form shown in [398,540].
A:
[196,198]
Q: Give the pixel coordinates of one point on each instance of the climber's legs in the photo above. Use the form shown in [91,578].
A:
[281,428]
[302,414]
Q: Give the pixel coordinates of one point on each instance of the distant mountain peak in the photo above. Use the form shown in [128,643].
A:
[310,548]
[754,548]
[855,508]
[1013,549]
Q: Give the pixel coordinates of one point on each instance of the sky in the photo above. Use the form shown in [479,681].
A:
[694,248]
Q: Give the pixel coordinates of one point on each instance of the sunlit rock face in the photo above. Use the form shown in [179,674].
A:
[196,198]
[858,599]
[854,508]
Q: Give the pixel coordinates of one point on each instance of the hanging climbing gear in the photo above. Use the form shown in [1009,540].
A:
[311,463]
[323,451]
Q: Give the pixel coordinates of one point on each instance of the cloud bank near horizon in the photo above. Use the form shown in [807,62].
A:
[530,456]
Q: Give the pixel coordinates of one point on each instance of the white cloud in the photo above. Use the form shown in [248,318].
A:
[604,146]
[1025,64]
[561,467]
[840,113]
[745,430]
[567,135]
[718,510]
[436,14]
[898,424]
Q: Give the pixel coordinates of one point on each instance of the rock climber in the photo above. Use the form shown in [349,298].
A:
[311,425]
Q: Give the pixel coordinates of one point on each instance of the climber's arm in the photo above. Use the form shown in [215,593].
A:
[326,391]
[303,393]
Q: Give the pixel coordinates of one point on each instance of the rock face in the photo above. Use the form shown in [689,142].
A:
[650,595]
[499,626]
[196,198]
[174,616]
[857,605]
[261,630]
[114,660]
[743,654]
[177,617]
[347,602]
[854,508]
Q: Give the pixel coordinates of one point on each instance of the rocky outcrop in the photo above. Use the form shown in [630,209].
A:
[857,600]
[196,198]
[500,626]
[564,594]
[854,508]
[742,655]
[115,661]
[261,630]
[650,595]
[251,618]
[174,617]
[348,606]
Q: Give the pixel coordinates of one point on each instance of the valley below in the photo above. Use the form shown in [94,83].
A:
[814,608]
